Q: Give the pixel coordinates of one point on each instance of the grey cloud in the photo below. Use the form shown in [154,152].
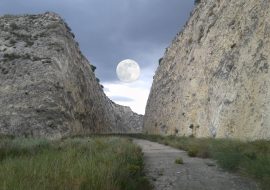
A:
[106,89]
[121,99]
[110,31]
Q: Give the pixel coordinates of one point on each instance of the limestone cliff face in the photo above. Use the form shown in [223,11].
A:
[48,87]
[214,79]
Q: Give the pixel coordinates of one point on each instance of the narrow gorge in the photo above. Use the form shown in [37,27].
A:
[213,80]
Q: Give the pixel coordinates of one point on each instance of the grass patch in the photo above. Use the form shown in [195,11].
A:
[100,163]
[179,161]
[249,158]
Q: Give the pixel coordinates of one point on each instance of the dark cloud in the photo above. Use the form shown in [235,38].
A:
[110,31]
[121,99]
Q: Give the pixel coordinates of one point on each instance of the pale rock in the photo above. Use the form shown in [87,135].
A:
[214,79]
[48,88]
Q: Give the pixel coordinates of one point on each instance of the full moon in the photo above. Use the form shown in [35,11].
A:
[128,70]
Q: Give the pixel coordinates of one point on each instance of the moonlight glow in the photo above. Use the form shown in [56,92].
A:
[128,70]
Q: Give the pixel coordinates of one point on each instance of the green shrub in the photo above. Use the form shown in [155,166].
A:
[179,161]
[193,152]
[228,159]
[196,2]
[160,60]
[93,68]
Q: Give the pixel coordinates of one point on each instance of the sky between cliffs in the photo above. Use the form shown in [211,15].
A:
[110,31]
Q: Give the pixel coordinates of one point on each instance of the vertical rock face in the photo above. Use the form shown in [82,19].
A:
[214,80]
[48,87]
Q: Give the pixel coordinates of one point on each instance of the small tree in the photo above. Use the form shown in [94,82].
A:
[93,68]
[159,61]
[196,2]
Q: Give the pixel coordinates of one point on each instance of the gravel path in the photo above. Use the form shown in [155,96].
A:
[194,174]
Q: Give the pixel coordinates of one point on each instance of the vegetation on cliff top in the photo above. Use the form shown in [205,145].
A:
[197,2]
[79,163]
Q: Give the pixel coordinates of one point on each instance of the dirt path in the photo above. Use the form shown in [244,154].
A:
[194,174]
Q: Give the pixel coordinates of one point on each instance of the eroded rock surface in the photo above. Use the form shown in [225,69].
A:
[48,88]
[214,79]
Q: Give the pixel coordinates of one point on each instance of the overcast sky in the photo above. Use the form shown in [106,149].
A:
[110,31]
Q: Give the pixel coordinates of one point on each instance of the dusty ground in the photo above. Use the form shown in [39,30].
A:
[194,174]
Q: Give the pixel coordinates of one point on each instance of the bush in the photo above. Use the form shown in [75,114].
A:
[160,60]
[227,153]
[93,68]
[196,2]
[193,152]
[179,161]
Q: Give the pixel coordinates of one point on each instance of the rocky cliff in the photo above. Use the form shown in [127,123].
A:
[214,79]
[48,88]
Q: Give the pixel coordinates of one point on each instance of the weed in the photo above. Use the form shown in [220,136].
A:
[193,152]
[93,68]
[179,161]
